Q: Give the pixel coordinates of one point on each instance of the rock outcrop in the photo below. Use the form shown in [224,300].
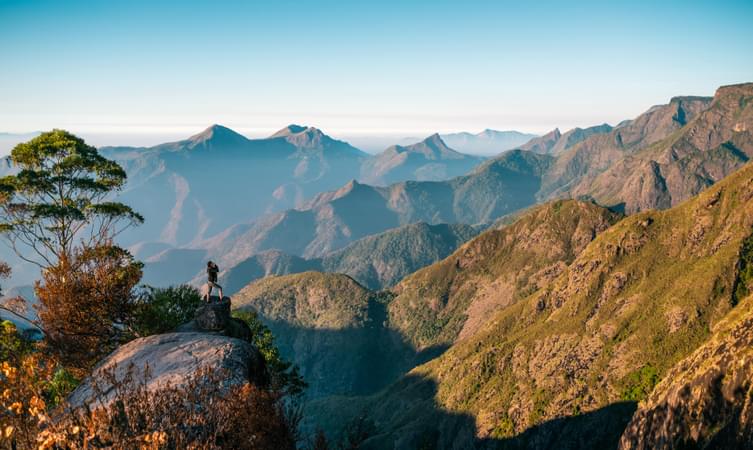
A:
[213,340]
[214,317]
[170,359]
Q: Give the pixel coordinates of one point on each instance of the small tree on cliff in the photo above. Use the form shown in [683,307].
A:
[58,198]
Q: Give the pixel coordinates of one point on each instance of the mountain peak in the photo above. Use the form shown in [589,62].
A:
[435,139]
[436,143]
[734,91]
[294,129]
[216,133]
[432,147]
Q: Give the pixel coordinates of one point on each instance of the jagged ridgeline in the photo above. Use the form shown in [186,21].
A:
[662,157]
[348,339]
[564,366]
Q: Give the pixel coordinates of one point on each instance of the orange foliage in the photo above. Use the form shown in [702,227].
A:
[204,413]
[23,382]
[86,301]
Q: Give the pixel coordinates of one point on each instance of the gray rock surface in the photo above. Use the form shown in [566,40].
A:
[171,360]
[213,316]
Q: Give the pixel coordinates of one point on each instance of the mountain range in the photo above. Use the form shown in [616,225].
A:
[376,261]
[668,163]
[591,289]
[554,354]
[546,330]
[188,190]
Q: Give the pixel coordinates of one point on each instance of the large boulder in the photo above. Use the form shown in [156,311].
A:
[213,316]
[172,359]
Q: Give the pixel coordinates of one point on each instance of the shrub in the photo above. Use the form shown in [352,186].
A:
[161,310]
[202,413]
[30,381]
[284,375]
[640,383]
[86,301]
[744,282]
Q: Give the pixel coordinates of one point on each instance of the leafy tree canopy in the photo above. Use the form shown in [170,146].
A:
[60,196]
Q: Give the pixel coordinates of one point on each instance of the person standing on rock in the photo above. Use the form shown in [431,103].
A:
[212,271]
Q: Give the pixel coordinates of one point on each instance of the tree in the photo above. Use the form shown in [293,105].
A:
[87,301]
[59,196]
[160,310]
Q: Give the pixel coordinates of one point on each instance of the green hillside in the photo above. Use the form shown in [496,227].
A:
[455,296]
[332,328]
[564,367]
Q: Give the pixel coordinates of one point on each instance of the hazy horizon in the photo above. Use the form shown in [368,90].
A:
[368,142]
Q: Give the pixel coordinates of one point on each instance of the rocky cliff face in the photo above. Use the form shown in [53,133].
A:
[598,152]
[706,400]
[716,141]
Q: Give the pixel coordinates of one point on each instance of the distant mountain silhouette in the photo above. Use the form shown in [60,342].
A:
[190,189]
[669,162]
[428,160]
[488,142]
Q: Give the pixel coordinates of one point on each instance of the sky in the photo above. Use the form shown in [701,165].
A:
[140,72]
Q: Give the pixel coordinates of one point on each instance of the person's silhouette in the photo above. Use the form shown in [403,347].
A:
[212,271]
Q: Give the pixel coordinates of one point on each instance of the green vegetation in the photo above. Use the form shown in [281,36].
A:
[505,428]
[495,269]
[337,301]
[285,376]
[14,348]
[380,261]
[639,383]
[160,310]
[60,385]
[11,342]
[744,284]
[59,193]
[604,329]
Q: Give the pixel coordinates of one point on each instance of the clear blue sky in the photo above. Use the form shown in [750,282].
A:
[359,67]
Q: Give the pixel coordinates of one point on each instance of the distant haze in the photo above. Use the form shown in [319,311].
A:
[370,143]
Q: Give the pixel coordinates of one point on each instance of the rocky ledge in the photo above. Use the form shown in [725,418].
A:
[214,317]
